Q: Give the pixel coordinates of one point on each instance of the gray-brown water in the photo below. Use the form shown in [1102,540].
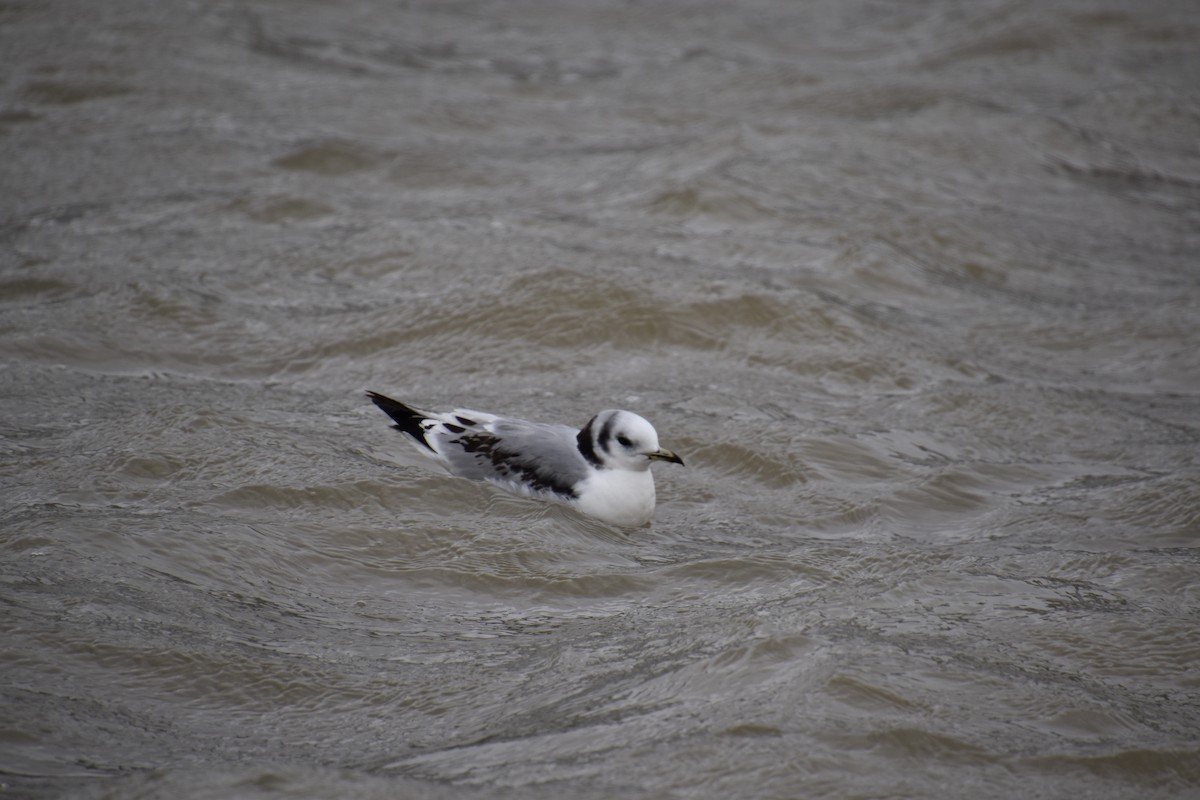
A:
[914,288]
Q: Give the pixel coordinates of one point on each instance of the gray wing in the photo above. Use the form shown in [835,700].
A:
[529,456]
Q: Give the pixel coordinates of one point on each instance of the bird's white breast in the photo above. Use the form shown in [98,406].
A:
[618,496]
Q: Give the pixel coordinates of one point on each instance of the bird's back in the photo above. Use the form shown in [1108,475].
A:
[531,457]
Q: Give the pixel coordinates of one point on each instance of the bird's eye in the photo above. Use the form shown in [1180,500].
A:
[623,441]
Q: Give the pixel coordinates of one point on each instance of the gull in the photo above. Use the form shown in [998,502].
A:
[602,469]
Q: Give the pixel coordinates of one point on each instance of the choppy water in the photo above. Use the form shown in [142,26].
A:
[914,288]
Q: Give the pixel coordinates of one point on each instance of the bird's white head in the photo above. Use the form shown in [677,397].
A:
[616,439]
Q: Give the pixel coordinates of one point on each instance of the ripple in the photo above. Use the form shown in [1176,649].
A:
[1158,769]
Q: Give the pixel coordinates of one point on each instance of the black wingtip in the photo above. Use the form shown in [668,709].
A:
[407,419]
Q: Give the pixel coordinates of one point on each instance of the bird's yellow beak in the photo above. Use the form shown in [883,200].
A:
[664,455]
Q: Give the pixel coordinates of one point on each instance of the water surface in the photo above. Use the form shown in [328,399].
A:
[913,289]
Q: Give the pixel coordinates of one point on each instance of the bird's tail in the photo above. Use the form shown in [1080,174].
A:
[408,420]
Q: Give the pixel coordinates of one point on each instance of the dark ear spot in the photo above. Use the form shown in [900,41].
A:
[587,446]
[606,432]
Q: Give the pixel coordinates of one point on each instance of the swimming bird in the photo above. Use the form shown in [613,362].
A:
[602,469]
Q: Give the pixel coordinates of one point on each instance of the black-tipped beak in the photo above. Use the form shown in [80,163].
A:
[664,455]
